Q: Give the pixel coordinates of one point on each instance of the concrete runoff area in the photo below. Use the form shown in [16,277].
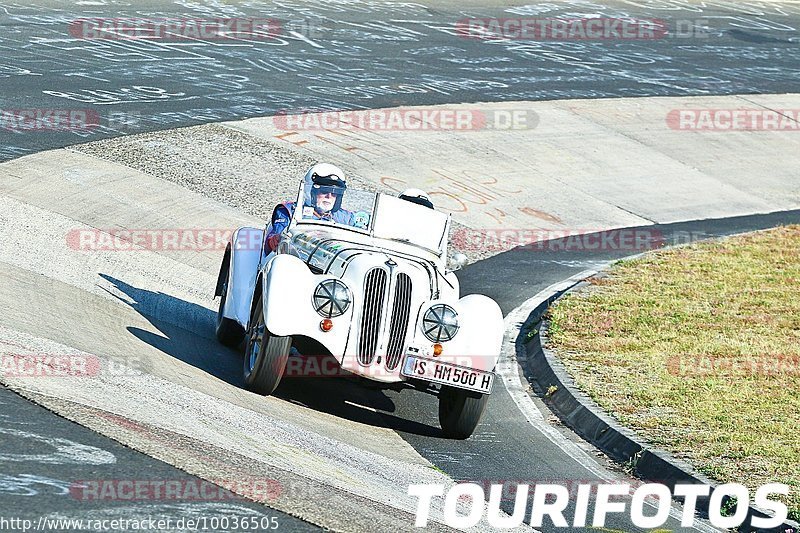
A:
[584,166]
[151,310]
[575,163]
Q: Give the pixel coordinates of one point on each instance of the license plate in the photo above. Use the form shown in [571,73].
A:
[447,374]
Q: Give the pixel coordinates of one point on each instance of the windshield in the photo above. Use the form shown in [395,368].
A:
[380,215]
[351,208]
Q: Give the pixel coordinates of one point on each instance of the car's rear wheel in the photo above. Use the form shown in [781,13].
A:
[265,356]
[460,411]
[228,331]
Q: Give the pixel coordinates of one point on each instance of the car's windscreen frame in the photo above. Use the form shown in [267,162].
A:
[298,219]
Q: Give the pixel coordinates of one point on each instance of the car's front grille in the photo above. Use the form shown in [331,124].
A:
[371,313]
[401,308]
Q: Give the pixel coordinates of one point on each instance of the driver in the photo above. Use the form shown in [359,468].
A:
[322,200]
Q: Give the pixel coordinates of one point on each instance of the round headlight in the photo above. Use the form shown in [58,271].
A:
[440,323]
[331,298]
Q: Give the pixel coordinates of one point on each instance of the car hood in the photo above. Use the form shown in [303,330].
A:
[331,253]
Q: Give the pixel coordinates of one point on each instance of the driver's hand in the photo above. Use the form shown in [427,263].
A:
[272,242]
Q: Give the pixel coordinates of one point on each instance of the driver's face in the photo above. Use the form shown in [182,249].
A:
[325,201]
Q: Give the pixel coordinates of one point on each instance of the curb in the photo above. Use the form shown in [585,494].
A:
[543,370]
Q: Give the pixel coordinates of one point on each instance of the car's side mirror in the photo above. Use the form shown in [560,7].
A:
[457,262]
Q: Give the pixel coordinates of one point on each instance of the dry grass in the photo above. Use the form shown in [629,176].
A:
[698,350]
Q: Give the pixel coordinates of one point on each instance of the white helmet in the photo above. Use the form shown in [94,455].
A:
[416,196]
[324,177]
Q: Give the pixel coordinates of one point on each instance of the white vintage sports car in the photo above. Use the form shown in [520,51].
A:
[375,295]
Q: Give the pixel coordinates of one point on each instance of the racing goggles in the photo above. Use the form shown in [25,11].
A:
[327,189]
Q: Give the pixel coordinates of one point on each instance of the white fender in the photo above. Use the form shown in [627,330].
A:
[288,291]
[480,333]
[246,253]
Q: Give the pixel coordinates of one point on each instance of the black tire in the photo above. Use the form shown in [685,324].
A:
[265,356]
[228,331]
[460,411]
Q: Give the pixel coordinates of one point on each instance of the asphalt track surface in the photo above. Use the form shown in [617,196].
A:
[125,83]
[348,54]
[48,466]
[505,447]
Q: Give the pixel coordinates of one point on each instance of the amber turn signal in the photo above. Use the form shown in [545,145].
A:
[326,324]
[437,349]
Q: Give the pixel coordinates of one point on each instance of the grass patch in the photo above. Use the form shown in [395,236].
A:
[698,350]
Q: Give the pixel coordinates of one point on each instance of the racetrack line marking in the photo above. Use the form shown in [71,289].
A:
[508,369]
[515,384]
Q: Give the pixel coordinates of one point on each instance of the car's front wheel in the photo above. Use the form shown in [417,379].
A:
[265,356]
[460,411]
